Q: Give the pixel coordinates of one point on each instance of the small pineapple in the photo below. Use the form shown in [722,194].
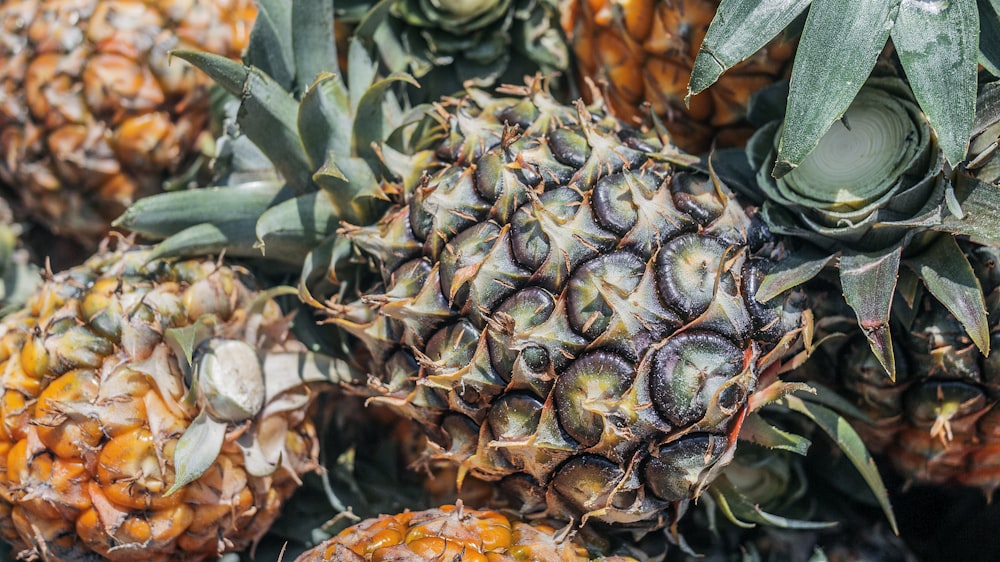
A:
[643,51]
[18,276]
[142,414]
[452,532]
[94,114]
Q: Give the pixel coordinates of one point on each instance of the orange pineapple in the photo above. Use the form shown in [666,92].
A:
[643,50]
[93,113]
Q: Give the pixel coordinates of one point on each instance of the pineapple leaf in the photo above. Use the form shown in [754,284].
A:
[740,29]
[269,48]
[980,204]
[948,275]
[755,429]
[824,395]
[369,121]
[165,214]
[184,340]
[196,450]
[943,80]
[236,238]
[848,440]
[989,35]
[840,42]
[301,222]
[313,44]
[868,282]
[793,270]
[325,120]
[743,512]
[227,73]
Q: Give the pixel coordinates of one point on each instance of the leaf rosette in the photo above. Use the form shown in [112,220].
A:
[877,199]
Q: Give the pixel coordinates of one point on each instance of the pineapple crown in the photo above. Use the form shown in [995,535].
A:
[885,217]
[939,46]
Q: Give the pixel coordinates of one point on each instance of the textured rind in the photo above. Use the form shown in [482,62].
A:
[447,531]
[92,409]
[94,114]
[566,311]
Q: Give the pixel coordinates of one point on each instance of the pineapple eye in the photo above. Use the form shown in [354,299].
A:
[687,372]
[674,472]
[688,267]
[586,482]
[589,392]
[515,416]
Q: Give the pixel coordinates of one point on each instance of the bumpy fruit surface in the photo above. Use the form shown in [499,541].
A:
[451,533]
[643,51]
[566,311]
[97,401]
[93,113]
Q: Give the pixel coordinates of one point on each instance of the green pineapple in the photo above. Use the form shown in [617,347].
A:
[563,302]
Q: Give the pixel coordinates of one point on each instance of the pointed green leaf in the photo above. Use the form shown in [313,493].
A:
[304,221]
[848,440]
[948,275]
[369,122]
[164,214]
[196,450]
[325,119]
[373,20]
[269,117]
[793,270]
[868,282]
[938,46]
[840,42]
[227,73]
[827,397]
[184,340]
[313,44]
[740,29]
[989,35]
[236,238]
[755,429]
[744,513]
[980,203]
[270,47]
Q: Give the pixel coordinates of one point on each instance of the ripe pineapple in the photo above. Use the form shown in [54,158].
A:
[94,114]
[137,418]
[643,51]
[452,532]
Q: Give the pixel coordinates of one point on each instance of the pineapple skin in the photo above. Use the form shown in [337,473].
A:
[565,312]
[641,51]
[92,409]
[451,532]
[94,113]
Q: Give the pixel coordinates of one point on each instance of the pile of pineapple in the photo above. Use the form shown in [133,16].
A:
[505,280]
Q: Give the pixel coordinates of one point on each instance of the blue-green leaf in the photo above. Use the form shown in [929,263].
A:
[313,44]
[938,46]
[840,42]
[848,440]
[868,282]
[755,429]
[793,270]
[948,275]
[270,48]
[989,35]
[740,29]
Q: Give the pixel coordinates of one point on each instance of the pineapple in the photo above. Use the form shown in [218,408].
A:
[452,532]
[18,276]
[146,412]
[643,51]
[562,304]
[94,112]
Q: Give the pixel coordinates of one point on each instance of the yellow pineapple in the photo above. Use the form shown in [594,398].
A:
[643,51]
[141,413]
[93,113]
